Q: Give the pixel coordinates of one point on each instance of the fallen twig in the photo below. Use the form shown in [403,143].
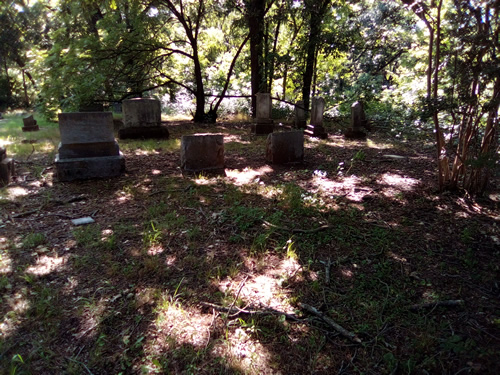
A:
[251,311]
[297,230]
[350,335]
[447,303]
[328,265]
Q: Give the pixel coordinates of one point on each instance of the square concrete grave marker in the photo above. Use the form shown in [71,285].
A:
[88,148]
[142,119]
[285,147]
[202,153]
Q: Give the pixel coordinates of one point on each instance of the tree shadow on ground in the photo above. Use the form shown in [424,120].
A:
[140,290]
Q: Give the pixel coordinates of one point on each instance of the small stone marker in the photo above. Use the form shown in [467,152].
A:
[285,147]
[30,124]
[83,221]
[263,123]
[6,167]
[315,128]
[88,148]
[300,115]
[358,121]
[202,153]
[142,119]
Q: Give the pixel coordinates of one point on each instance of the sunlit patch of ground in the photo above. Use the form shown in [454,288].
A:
[247,175]
[47,264]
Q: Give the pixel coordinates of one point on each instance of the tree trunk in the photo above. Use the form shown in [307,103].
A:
[316,14]
[255,18]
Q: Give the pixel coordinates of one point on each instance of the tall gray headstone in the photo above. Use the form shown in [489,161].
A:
[88,148]
[263,123]
[315,128]
[202,153]
[142,119]
[358,122]
[300,115]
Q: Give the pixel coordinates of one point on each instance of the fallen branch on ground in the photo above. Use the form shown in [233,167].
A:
[234,311]
[344,332]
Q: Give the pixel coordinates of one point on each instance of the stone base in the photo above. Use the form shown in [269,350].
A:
[316,131]
[88,150]
[301,124]
[354,134]
[157,132]
[262,128]
[202,153]
[285,147]
[6,171]
[30,128]
[88,168]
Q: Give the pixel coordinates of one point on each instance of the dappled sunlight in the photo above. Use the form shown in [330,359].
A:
[379,145]
[5,259]
[244,351]
[185,326]
[230,138]
[156,249]
[14,192]
[18,304]
[247,175]
[47,264]
[401,182]
[397,258]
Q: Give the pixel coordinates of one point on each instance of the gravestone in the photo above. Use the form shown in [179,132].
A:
[202,153]
[300,115]
[263,123]
[30,124]
[358,122]
[88,148]
[315,128]
[92,107]
[6,167]
[117,107]
[285,147]
[142,119]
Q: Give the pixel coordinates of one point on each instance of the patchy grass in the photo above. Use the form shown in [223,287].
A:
[146,289]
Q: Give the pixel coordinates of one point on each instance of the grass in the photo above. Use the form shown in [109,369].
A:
[131,292]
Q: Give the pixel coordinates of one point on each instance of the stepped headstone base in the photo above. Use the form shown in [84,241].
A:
[262,127]
[88,168]
[316,131]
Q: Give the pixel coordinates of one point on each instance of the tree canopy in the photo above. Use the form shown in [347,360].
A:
[411,62]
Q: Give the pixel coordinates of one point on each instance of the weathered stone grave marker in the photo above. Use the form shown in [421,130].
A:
[315,128]
[263,123]
[300,115]
[88,148]
[30,124]
[202,153]
[6,167]
[142,119]
[358,121]
[285,147]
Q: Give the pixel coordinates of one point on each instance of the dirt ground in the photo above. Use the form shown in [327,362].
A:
[199,274]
